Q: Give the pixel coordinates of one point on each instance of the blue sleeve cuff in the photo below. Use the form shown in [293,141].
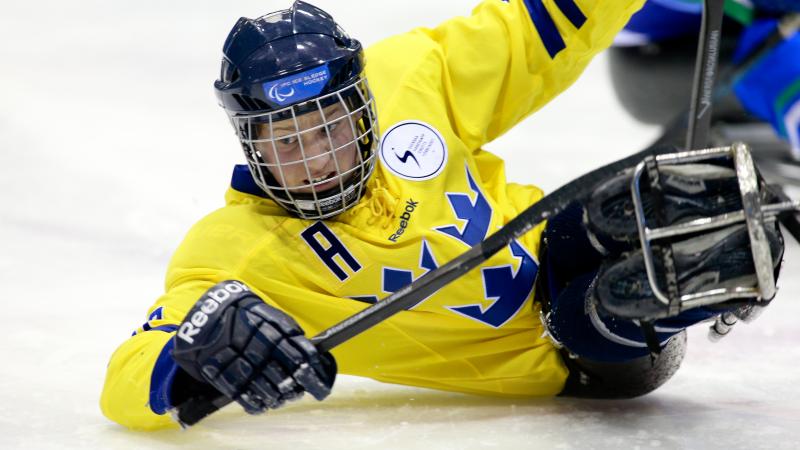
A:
[163,374]
[546,27]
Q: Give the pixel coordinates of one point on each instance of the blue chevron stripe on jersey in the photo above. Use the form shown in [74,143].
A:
[572,12]
[508,289]
[161,379]
[545,26]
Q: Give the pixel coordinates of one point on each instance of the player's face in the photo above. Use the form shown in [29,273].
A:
[309,152]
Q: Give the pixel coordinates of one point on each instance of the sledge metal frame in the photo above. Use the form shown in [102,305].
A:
[753,213]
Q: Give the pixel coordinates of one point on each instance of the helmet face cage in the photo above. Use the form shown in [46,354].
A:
[313,158]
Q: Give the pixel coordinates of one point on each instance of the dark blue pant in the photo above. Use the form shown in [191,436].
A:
[570,264]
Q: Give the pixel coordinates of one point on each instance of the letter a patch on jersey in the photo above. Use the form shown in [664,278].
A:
[506,290]
[326,245]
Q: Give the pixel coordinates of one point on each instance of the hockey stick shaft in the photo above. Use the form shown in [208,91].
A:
[705,74]
[196,409]
[434,280]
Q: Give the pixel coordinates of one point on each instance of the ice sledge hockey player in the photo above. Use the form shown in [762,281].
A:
[330,214]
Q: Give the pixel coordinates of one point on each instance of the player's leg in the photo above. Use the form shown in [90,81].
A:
[606,357]
[596,296]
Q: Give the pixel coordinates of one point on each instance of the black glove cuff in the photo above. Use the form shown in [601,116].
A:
[186,387]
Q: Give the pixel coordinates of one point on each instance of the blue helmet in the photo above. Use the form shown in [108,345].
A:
[292,85]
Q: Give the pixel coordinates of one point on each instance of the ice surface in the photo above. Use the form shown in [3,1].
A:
[111,146]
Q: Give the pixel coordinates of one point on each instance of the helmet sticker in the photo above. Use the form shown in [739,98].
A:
[413,150]
[297,87]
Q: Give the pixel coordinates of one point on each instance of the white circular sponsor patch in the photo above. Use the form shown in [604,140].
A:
[413,150]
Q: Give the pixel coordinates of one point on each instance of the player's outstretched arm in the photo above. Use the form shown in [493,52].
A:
[233,343]
[506,60]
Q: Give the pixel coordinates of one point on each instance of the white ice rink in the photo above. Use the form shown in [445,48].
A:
[112,145]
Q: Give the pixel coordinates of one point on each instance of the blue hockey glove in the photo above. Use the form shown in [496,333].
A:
[249,351]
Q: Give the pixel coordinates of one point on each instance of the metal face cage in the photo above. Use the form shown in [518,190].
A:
[313,158]
[753,213]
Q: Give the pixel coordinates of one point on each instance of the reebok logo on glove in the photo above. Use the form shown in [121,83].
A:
[212,301]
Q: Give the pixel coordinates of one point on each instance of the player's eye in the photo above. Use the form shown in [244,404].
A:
[288,140]
[333,126]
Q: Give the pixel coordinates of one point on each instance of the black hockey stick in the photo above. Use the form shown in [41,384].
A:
[434,280]
[195,409]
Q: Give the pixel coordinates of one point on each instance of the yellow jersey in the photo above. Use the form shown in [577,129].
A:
[441,94]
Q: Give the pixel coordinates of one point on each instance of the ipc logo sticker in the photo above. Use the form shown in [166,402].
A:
[413,150]
[297,87]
